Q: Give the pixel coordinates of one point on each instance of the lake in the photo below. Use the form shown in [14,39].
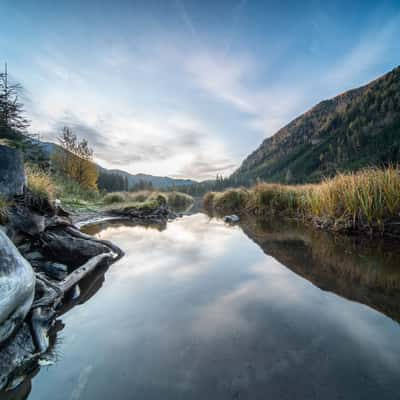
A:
[203,310]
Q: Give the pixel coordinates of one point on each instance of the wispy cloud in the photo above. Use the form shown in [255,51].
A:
[366,54]
[180,5]
[176,143]
[231,79]
[192,92]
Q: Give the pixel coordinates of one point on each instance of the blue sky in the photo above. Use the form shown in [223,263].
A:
[188,88]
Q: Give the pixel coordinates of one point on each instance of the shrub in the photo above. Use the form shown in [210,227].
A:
[179,200]
[271,199]
[232,200]
[112,198]
[140,196]
[70,192]
[159,198]
[208,201]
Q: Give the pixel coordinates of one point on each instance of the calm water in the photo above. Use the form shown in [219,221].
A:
[201,310]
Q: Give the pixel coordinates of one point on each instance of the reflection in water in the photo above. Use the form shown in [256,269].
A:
[353,267]
[89,285]
[198,311]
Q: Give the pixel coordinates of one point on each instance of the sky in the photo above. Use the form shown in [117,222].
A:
[188,88]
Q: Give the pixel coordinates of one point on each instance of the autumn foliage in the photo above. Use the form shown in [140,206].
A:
[74,159]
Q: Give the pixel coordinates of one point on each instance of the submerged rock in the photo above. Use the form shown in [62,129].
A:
[17,287]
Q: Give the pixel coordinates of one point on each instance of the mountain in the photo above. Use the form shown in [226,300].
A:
[133,179]
[358,128]
[157,181]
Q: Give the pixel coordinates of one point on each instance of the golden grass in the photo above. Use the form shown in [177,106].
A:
[173,199]
[41,187]
[367,199]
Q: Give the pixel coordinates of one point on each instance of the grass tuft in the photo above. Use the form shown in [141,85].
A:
[41,188]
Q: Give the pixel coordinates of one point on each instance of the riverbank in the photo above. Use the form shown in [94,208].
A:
[45,257]
[365,202]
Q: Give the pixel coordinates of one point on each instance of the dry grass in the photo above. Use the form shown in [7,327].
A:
[112,198]
[365,200]
[41,187]
[173,199]
[179,200]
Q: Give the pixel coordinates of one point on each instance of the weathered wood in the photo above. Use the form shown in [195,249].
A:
[74,277]
[48,294]
[78,234]
[40,322]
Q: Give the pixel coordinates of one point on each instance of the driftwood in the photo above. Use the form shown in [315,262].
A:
[51,294]
[78,234]
[73,278]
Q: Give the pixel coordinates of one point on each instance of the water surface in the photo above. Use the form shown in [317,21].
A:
[202,310]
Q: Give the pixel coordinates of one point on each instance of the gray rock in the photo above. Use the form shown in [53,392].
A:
[55,270]
[231,219]
[34,256]
[17,287]
[23,220]
[15,356]
[12,175]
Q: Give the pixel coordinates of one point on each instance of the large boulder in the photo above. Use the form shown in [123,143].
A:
[12,175]
[17,287]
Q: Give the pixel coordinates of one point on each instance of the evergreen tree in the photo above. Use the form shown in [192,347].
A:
[13,123]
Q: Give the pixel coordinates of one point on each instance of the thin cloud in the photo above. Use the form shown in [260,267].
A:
[185,17]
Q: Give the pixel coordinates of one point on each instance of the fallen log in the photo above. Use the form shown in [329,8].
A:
[74,277]
[43,309]
[80,235]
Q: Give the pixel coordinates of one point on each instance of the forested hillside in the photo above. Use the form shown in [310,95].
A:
[358,128]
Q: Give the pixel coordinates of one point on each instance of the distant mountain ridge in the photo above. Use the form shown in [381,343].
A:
[358,128]
[133,179]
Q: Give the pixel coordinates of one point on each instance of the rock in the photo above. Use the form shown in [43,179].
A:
[156,214]
[12,174]
[23,220]
[55,270]
[17,287]
[14,356]
[34,256]
[231,219]
[57,220]
[62,247]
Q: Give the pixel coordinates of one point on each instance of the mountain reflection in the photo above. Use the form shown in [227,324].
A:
[353,267]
